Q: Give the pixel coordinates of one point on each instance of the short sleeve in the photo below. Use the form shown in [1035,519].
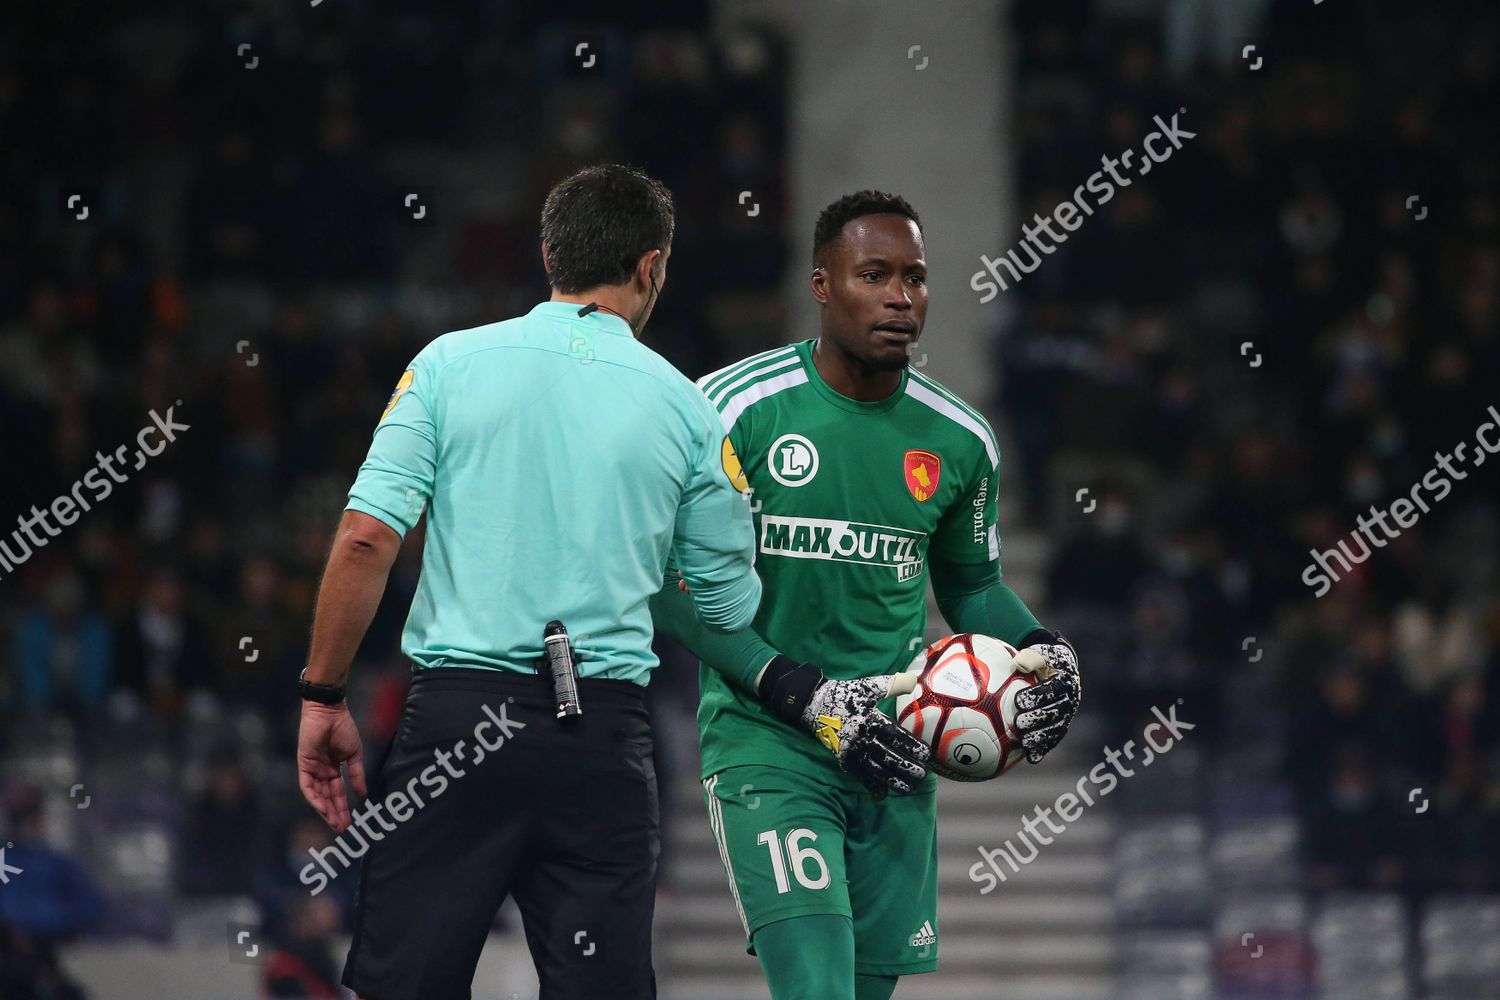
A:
[396,480]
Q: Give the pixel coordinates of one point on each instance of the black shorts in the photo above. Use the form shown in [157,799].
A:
[563,816]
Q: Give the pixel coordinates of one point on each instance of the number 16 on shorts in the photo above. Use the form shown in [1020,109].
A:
[806,864]
[783,857]
[794,843]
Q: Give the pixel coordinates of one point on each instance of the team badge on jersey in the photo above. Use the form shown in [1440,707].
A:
[793,460]
[923,469]
[402,385]
[732,467]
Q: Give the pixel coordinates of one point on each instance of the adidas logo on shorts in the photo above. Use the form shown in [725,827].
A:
[925,935]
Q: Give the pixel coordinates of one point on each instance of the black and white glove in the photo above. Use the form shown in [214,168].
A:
[1045,709]
[842,715]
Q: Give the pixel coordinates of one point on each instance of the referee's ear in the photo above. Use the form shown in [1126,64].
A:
[646,270]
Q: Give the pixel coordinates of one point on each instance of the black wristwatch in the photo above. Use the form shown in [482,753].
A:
[323,694]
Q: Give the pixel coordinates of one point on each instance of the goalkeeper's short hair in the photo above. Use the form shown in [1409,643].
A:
[833,219]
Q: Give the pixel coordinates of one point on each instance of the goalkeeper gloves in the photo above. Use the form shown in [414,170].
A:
[843,716]
[1045,709]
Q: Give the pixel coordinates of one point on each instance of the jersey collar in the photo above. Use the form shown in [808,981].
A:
[598,319]
[805,350]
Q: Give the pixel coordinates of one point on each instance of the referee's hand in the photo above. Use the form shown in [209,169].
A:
[327,738]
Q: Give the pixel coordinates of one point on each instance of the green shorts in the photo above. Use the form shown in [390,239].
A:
[794,844]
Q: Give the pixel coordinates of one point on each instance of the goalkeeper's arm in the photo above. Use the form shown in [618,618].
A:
[842,715]
[973,598]
[742,656]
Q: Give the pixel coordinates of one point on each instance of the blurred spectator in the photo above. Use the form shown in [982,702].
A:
[260,614]
[44,904]
[1344,706]
[222,839]
[1436,638]
[64,651]
[162,652]
[302,963]
[29,970]
[1101,565]
[279,887]
[228,210]
[338,205]
[1355,837]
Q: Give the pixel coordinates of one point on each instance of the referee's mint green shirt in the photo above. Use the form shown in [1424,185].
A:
[560,461]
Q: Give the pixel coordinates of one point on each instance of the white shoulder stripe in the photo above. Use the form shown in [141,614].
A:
[760,390]
[743,365]
[916,390]
[722,393]
[947,393]
[714,380]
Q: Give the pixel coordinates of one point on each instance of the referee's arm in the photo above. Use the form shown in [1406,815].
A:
[359,563]
[386,501]
[713,544]
[353,581]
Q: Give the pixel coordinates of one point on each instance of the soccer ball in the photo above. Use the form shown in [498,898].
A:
[964,706]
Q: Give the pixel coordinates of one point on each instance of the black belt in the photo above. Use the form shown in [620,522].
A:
[513,682]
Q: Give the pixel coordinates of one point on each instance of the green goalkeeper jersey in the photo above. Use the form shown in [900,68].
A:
[852,502]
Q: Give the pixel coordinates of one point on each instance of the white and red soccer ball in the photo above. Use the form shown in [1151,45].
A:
[964,706]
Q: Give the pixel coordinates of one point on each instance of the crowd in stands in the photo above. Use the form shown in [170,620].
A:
[1285,324]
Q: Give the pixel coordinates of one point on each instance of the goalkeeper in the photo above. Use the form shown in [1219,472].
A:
[867,475]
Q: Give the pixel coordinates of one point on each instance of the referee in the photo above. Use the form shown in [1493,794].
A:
[559,463]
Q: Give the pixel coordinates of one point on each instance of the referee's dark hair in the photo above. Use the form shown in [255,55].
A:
[833,219]
[598,222]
